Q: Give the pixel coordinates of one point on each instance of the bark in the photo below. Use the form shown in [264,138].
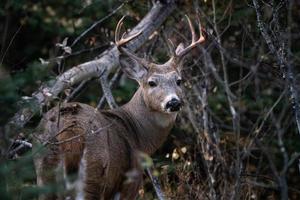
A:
[277,46]
[107,62]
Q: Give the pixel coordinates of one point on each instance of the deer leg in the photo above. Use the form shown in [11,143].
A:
[45,166]
[130,189]
[91,191]
[92,184]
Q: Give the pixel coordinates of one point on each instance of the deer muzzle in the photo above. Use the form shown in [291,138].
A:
[174,105]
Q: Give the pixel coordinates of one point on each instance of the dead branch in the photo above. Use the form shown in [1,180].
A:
[156,184]
[111,84]
[107,92]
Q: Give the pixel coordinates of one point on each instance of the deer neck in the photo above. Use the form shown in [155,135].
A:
[153,127]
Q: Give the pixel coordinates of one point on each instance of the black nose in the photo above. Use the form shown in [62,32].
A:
[173,105]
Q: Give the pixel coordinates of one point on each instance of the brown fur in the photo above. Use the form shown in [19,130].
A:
[109,142]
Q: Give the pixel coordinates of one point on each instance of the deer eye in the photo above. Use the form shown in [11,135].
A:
[152,84]
[178,82]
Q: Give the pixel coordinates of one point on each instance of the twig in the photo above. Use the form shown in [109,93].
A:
[78,136]
[10,43]
[58,59]
[107,91]
[281,180]
[97,23]
[112,82]
[76,90]
[156,184]
[22,144]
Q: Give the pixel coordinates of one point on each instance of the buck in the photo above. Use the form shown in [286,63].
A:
[94,151]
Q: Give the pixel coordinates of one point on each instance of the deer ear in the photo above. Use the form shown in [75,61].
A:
[132,68]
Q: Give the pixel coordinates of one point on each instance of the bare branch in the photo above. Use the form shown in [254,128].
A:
[156,185]
[112,82]
[280,53]
[107,92]
[97,23]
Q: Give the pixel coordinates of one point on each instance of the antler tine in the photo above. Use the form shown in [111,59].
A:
[194,41]
[171,46]
[191,28]
[200,29]
[118,29]
[121,42]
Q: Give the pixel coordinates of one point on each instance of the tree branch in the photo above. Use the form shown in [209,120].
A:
[277,46]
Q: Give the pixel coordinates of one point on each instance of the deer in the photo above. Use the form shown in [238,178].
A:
[93,151]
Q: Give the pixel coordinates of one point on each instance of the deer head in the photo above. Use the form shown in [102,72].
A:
[160,83]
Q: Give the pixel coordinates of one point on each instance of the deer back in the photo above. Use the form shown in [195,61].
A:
[105,140]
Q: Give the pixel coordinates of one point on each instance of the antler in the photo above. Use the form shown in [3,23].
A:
[194,43]
[179,53]
[120,42]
